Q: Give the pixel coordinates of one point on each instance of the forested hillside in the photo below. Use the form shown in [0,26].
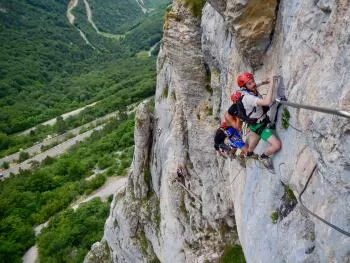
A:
[46,69]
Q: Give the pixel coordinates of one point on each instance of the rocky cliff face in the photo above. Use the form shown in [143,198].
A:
[219,203]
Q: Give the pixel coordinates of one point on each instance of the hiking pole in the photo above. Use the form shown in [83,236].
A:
[341,113]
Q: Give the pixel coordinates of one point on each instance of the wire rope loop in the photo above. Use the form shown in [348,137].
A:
[313,214]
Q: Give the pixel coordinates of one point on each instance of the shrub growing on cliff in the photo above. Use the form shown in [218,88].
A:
[289,193]
[209,111]
[165,93]
[148,177]
[233,254]
[173,95]
[285,118]
[209,89]
[274,217]
[195,6]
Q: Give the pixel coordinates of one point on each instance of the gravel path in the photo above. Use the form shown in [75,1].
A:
[113,185]
[31,255]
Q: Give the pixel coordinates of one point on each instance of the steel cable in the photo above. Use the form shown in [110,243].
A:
[313,214]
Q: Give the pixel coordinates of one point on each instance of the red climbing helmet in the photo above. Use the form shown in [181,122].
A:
[243,78]
[223,124]
[235,96]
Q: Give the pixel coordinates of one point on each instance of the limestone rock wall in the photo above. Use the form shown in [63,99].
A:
[309,50]
[307,43]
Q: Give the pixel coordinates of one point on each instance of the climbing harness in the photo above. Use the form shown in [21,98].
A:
[313,214]
[341,113]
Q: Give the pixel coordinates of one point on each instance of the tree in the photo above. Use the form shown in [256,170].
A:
[61,125]
[5,141]
[48,160]
[5,165]
[23,156]
[34,164]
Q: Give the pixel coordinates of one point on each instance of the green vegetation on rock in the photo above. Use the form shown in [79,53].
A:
[233,254]
[285,118]
[195,6]
[289,193]
[274,217]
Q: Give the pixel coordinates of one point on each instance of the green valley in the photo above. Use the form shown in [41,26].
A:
[50,66]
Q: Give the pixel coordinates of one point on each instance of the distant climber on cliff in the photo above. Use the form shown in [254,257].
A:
[181,175]
[252,108]
[228,139]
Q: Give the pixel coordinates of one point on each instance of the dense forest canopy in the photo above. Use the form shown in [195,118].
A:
[46,68]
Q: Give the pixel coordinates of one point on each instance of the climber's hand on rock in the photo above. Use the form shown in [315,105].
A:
[265,81]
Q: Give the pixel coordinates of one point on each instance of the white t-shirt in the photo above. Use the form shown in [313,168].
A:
[249,101]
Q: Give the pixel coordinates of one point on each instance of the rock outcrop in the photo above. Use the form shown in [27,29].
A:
[218,203]
[252,23]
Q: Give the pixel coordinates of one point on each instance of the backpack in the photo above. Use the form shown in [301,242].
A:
[237,109]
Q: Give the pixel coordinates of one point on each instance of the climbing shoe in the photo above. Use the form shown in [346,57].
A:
[251,155]
[267,162]
[232,154]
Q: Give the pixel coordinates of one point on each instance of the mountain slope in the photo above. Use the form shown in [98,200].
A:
[43,56]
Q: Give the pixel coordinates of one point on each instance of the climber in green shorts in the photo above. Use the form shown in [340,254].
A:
[260,129]
[252,108]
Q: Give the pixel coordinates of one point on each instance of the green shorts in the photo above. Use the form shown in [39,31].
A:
[261,130]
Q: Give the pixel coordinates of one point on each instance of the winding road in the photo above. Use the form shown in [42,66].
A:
[53,152]
[71,18]
[54,120]
[89,17]
[36,149]
[152,48]
[58,149]
[71,5]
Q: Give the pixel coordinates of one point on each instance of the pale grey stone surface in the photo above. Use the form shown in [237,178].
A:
[310,50]
[99,253]
[197,67]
